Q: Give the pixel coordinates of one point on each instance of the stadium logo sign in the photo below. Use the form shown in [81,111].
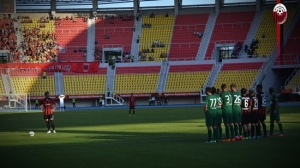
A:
[279,13]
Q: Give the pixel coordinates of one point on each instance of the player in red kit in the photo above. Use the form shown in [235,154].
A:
[131,105]
[48,106]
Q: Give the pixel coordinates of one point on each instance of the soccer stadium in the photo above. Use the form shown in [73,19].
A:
[95,59]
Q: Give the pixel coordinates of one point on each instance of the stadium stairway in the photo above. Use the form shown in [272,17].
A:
[59,83]
[91,29]
[213,75]
[162,80]
[2,90]
[252,31]
[110,80]
[8,86]
[20,38]
[206,36]
[137,32]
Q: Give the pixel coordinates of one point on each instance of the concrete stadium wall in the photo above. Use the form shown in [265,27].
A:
[140,101]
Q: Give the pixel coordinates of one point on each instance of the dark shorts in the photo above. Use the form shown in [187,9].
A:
[275,117]
[218,118]
[210,119]
[245,117]
[254,116]
[51,116]
[261,114]
[227,118]
[236,117]
[132,107]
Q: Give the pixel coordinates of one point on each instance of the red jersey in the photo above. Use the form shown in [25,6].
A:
[48,105]
[132,101]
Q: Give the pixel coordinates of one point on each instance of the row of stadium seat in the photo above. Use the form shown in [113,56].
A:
[34,86]
[236,32]
[295,82]
[91,84]
[136,83]
[149,35]
[242,78]
[186,81]
[183,35]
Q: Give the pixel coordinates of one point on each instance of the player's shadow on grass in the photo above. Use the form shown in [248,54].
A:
[130,137]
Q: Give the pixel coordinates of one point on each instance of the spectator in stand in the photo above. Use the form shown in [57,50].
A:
[152,15]
[246,47]
[137,16]
[131,58]
[167,14]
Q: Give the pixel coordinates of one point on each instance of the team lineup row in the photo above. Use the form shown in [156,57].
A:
[243,114]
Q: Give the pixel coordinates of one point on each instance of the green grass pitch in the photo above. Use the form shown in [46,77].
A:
[155,137]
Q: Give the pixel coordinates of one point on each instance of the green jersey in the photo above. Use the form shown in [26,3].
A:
[236,99]
[274,100]
[211,102]
[219,104]
[227,102]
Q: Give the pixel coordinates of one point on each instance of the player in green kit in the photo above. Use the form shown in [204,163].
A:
[210,115]
[216,93]
[236,112]
[274,112]
[227,112]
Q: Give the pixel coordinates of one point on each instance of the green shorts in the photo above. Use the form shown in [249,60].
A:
[275,117]
[210,119]
[236,117]
[227,118]
[219,118]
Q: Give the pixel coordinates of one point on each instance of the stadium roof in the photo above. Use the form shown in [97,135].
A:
[22,5]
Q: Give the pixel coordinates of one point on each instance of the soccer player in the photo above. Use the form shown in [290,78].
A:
[236,112]
[48,106]
[262,102]
[246,108]
[274,112]
[254,115]
[216,93]
[131,104]
[227,112]
[210,115]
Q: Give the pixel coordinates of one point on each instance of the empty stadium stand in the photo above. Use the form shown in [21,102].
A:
[119,32]
[291,50]
[185,44]
[295,82]
[136,79]
[72,38]
[187,78]
[268,28]
[161,30]
[230,28]
[242,74]
[33,84]
[85,84]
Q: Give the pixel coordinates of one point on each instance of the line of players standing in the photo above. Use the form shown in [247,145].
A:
[242,114]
